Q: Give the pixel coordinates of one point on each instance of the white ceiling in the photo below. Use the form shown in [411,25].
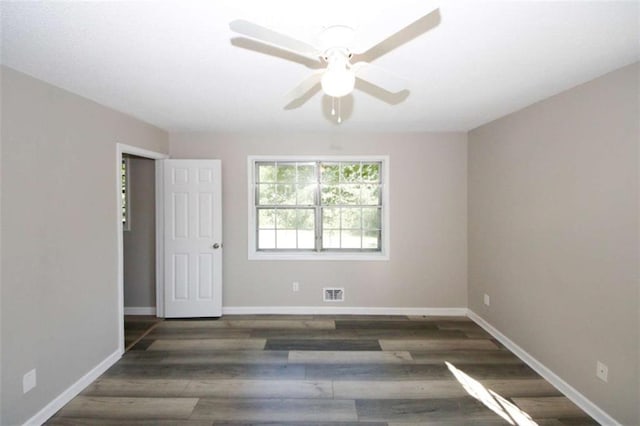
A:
[177,65]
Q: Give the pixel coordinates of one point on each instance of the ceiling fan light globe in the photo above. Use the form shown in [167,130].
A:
[338,82]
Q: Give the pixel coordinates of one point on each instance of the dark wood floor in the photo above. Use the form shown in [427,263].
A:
[136,327]
[320,370]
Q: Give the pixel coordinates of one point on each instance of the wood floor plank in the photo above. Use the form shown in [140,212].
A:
[361,333]
[281,423]
[549,407]
[351,317]
[457,325]
[464,410]
[275,316]
[242,388]
[323,344]
[142,344]
[275,410]
[226,357]
[311,324]
[497,371]
[465,357]
[339,372]
[121,407]
[198,333]
[382,325]
[83,421]
[442,388]
[207,371]
[440,318]
[206,344]
[106,386]
[349,357]
[206,357]
[441,344]
[395,371]
[476,422]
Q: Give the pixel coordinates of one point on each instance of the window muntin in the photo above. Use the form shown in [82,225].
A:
[322,206]
[124,189]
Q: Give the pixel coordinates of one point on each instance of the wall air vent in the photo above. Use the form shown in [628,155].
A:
[333,294]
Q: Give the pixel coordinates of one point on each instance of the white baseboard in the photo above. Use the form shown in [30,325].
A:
[339,310]
[67,395]
[569,391]
[139,310]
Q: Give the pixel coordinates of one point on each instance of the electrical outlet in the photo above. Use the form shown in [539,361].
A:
[296,286]
[487,300]
[602,371]
[29,381]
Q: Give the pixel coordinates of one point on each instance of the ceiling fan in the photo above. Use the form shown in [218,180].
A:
[337,45]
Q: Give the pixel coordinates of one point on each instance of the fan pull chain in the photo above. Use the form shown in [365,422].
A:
[339,115]
[333,106]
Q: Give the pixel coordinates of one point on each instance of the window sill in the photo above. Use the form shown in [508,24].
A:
[319,256]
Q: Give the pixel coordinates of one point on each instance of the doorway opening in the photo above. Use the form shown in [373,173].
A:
[138,236]
[139,246]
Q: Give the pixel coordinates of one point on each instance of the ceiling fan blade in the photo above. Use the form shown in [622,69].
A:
[274,38]
[407,22]
[379,77]
[301,89]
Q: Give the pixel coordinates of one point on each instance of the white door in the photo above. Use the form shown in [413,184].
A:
[192,238]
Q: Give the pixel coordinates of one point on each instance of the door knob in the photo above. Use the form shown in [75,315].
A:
[216,246]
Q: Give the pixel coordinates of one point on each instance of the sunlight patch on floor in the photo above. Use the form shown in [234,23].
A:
[496,403]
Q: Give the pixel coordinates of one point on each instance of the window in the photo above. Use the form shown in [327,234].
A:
[124,176]
[318,208]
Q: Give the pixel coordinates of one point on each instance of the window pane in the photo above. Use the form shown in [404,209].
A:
[350,172]
[305,219]
[286,172]
[306,239]
[371,172]
[266,218]
[371,240]
[267,194]
[370,218]
[330,195]
[266,239]
[330,218]
[370,195]
[330,172]
[286,239]
[286,219]
[266,172]
[351,239]
[330,239]
[350,194]
[306,194]
[286,195]
[351,219]
[306,172]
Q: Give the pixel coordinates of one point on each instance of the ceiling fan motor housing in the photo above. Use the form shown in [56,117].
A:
[336,36]
[339,79]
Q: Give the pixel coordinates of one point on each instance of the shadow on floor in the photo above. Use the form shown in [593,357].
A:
[138,326]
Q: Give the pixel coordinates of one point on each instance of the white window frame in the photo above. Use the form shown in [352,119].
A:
[126,224]
[254,254]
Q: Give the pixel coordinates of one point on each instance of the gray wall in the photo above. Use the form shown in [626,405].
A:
[553,234]
[59,216]
[139,242]
[428,222]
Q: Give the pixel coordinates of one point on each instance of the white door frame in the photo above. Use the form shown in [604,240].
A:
[140,152]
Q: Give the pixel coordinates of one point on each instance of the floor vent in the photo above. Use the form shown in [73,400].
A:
[333,294]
